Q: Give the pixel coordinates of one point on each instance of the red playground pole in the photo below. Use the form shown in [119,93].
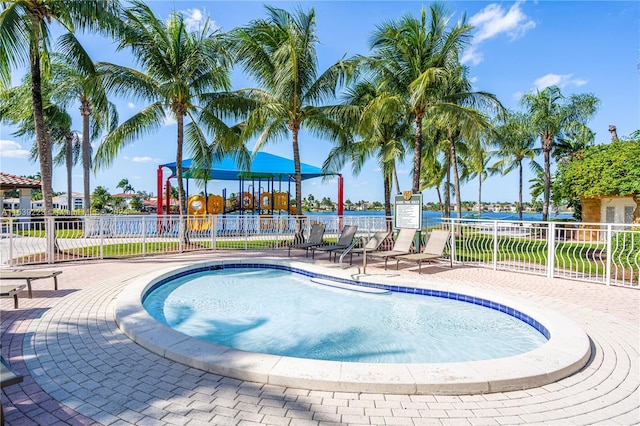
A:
[168,195]
[159,187]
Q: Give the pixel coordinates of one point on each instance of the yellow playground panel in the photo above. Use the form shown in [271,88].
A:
[200,208]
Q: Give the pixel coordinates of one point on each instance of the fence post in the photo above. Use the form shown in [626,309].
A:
[551,247]
[143,229]
[101,230]
[50,230]
[609,254]
[214,230]
[11,241]
[495,245]
[246,233]
[452,225]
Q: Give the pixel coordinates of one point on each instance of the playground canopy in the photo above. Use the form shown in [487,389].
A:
[262,166]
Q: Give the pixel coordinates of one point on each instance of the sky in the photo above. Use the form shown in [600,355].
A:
[517,47]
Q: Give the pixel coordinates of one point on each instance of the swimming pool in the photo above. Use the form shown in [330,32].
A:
[282,312]
[567,350]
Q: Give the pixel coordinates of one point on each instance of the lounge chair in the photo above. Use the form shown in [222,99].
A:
[11,290]
[29,276]
[401,246]
[432,250]
[372,245]
[344,241]
[315,239]
[8,377]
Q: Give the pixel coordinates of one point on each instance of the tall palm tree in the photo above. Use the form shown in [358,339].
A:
[553,117]
[515,140]
[25,38]
[410,57]
[476,164]
[16,109]
[180,70]
[77,79]
[380,133]
[279,52]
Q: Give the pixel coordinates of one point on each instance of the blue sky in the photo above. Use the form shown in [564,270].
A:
[583,47]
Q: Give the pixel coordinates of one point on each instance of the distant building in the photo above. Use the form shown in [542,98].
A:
[61,202]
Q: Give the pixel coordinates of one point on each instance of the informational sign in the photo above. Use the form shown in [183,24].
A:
[408,211]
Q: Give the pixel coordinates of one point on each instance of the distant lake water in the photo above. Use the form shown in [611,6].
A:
[433,217]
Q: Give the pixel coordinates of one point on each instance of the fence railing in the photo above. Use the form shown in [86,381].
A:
[601,253]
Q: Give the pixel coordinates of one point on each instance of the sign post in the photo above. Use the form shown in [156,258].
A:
[408,213]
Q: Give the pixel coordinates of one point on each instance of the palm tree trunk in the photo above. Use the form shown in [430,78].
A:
[395,177]
[299,235]
[546,146]
[69,164]
[479,195]
[447,188]
[85,111]
[456,177]
[42,140]
[387,199]
[184,238]
[520,191]
[417,156]
[440,200]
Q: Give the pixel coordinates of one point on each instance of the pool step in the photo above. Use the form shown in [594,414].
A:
[352,287]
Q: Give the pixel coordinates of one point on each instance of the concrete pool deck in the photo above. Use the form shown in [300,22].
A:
[80,368]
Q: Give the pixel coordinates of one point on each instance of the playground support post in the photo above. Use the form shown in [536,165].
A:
[159,186]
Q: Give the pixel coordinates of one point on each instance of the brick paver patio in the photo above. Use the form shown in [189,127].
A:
[79,368]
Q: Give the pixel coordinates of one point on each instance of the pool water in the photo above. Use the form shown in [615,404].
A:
[283,313]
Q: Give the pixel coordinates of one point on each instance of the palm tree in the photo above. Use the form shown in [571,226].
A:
[410,57]
[459,115]
[476,164]
[553,116]
[78,80]
[17,110]
[25,36]
[182,71]
[515,139]
[125,185]
[381,130]
[280,54]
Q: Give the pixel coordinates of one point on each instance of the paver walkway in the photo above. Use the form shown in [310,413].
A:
[80,368]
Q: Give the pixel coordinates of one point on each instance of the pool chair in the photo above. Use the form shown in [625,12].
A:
[373,244]
[344,241]
[315,239]
[400,247]
[433,250]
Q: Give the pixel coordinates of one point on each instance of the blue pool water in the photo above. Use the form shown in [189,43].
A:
[283,313]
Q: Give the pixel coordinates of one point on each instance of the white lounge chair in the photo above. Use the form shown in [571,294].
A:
[315,239]
[344,241]
[372,245]
[401,246]
[433,250]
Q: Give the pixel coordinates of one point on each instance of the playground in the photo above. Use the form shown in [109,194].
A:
[265,189]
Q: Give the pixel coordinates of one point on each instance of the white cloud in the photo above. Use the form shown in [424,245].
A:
[471,55]
[492,21]
[193,19]
[12,149]
[145,160]
[560,80]
[131,105]
[169,119]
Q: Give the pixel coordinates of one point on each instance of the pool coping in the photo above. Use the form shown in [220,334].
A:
[566,352]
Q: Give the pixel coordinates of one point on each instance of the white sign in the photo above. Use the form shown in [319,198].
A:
[408,211]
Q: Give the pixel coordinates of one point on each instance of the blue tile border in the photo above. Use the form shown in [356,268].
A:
[397,289]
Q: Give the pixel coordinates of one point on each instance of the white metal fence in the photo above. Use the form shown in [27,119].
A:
[601,253]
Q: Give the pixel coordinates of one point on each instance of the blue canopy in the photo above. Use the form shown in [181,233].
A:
[263,166]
